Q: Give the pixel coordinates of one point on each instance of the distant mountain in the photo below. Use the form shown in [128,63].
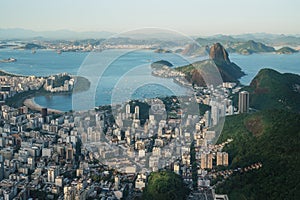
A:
[155,34]
[270,89]
[229,41]
[18,33]
[286,50]
[224,39]
[272,39]
[250,47]
[235,45]
[195,50]
[268,137]
[228,70]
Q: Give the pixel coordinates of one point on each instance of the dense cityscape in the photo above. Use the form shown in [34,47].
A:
[83,155]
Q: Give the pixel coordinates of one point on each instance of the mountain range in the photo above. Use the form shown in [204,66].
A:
[19,33]
[270,39]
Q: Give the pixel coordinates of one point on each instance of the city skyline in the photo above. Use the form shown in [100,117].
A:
[193,18]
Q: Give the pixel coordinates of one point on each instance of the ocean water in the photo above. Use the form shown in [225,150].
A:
[42,63]
[251,64]
[120,75]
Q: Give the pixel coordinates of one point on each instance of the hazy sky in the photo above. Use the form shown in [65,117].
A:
[190,16]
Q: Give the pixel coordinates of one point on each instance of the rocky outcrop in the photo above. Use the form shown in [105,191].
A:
[218,53]
[229,71]
[219,60]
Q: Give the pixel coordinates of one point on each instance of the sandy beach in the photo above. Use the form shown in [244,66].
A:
[31,104]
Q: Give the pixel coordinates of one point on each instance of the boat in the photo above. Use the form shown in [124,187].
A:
[58,51]
[8,60]
[33,51]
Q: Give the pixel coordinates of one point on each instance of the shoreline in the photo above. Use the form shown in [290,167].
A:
[31,104]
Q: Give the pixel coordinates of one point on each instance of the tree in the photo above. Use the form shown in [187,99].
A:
[165,185]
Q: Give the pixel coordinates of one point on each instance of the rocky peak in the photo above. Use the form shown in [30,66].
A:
[218,53]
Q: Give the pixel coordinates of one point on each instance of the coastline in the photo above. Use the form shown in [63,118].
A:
[31,104]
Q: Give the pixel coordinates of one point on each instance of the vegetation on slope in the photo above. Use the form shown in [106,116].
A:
[218,67]
[165,185]
[271,89]
[60,81]
[271,137]
[161,63]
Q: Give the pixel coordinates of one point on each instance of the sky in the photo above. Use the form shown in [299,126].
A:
[204,17]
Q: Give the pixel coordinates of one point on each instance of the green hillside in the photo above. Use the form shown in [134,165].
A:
[195,72]
[271,137]
[271,89]
[165,185]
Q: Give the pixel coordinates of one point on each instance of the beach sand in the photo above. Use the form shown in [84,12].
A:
[31,104]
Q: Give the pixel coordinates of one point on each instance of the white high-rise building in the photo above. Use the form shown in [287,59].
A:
[243,102]
[207,117]
[31,162]
[222,158]
[206,160]
[137,112]
[127,109]
[52,173]
[117,182]
[176,168]
[1,167]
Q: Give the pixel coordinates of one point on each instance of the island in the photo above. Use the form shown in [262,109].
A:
[286,50]
[250,47]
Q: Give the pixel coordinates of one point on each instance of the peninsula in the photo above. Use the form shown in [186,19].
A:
[18,90]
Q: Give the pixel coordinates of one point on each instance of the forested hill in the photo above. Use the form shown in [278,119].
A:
[271,137]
